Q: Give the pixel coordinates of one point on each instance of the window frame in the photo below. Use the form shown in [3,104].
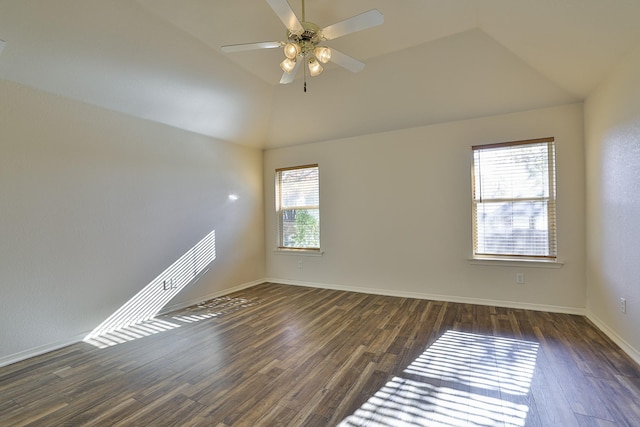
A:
[280,248]
[550,200]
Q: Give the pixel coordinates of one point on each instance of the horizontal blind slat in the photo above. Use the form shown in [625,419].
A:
[298,207]
[514,199]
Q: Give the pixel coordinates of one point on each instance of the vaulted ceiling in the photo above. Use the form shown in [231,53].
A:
[431,61]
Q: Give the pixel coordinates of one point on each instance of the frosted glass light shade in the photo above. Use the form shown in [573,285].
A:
[291,50]
[322,53]
[314,67]
[288,65]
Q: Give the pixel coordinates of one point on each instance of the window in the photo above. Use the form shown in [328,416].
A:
[514,200]
[298,207]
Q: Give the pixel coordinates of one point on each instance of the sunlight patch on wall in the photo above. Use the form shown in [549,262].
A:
[136,318]
[462,379]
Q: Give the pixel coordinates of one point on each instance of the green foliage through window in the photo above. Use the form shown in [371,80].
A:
[298,207]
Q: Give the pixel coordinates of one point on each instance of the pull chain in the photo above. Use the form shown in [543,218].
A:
[304,70]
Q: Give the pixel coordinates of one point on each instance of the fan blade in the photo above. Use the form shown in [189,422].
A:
[290,77]
[360,22]
[286,15]
[346,61]
[250,46]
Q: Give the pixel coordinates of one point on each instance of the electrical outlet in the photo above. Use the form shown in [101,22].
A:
[623,305]
[300,265]
[168,284]
[520,278]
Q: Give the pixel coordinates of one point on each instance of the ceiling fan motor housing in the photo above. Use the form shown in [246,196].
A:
[309,38]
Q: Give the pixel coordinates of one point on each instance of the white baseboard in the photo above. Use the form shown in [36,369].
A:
[632,352]
[625,346]
[436,297]
[37,351]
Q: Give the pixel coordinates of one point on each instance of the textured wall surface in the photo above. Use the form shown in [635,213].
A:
[612,123]
[96,204]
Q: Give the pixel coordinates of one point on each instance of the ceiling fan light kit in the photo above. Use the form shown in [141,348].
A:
[314,67]
[304,39]
[322,54]
[288,65]
[291,50]
[305,45]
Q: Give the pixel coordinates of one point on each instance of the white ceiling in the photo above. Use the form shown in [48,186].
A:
[431,61]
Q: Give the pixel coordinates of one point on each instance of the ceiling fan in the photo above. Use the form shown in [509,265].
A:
[305,39]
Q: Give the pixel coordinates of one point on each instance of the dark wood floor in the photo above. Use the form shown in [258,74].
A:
[276,355]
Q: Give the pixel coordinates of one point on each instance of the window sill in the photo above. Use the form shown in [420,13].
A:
[302,252]
[510,262]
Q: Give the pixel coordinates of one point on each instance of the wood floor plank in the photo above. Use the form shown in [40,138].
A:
[278,355]
[548,398]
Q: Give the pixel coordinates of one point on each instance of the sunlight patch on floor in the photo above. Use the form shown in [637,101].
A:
[462,379]
[209,309]
[130,332]
[212,308]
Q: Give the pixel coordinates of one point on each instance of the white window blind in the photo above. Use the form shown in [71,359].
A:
[514,199]
[298,207]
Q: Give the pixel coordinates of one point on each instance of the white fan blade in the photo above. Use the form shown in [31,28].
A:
[360,22]
[290,77]
[250,46]
[286,15]
[346,61]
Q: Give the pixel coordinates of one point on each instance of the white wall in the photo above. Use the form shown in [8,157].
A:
[396,213]
[612,123]
[95,204]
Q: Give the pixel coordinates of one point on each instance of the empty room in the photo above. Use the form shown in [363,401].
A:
[319,213]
